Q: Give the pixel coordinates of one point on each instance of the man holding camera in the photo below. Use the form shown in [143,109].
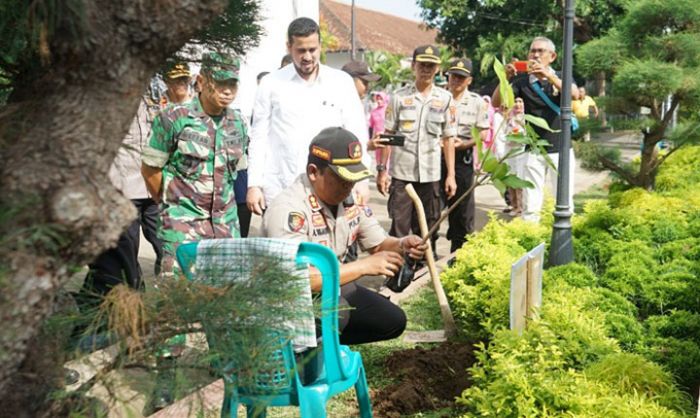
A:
[472,111]
[425,115]
[539,86]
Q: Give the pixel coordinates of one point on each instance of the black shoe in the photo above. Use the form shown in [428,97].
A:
[70,376]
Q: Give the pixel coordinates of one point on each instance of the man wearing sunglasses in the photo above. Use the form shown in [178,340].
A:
[537,82]
[190,162]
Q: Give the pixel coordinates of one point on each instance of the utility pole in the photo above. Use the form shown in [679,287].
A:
[352,31]
[562,248]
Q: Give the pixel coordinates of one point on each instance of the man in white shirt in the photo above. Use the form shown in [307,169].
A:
[293,104]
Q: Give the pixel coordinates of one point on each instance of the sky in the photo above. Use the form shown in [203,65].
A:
[403,8]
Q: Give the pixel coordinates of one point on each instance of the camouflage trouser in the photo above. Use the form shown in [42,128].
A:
[169,267]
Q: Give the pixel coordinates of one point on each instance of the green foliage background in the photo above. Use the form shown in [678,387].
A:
[618,333]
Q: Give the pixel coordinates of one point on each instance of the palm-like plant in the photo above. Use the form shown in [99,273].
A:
[389,67]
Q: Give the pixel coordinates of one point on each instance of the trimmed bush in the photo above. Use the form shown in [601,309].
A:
[632,373]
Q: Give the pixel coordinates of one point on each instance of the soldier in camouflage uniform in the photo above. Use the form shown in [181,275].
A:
[190,162]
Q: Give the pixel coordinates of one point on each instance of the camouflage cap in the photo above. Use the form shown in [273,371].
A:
[177,70]
[220,67]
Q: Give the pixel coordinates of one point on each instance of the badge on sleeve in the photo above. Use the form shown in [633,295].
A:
[295,221]
[368,211]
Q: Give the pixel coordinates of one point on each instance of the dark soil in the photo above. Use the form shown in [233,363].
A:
[427,379]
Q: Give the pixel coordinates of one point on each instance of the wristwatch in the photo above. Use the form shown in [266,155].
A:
[380,168]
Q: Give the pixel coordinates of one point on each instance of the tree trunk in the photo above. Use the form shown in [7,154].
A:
[647,168]
[600,92]
[59,134]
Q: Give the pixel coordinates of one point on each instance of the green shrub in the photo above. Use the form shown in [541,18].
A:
[632,373]
[678,324]
[669,229]
[679,356]
[688,248]
[679,171]
[674,290]
[573,274]
[528,376]
[478,284]
[627,272]
[571,314]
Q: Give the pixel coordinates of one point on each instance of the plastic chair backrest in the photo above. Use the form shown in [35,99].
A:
[326,262]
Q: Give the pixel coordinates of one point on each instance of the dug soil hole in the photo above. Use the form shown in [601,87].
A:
[427,379]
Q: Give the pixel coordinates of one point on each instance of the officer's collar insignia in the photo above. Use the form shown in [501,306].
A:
[313,201]
[295,221]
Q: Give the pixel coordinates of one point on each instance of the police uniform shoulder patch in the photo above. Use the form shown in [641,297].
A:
[313,201]
[368,211]
[295,221]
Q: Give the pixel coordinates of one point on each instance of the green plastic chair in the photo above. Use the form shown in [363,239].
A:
[341,367]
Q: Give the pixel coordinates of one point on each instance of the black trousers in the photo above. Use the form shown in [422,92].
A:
[244,215]
[118,265]
[461,220]
[366,316]
[147,220]
[404,218]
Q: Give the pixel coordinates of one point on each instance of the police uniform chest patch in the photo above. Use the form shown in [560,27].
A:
[407,101]
[295,221]
[317,220]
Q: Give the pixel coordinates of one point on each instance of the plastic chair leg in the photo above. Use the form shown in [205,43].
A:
[256,411]
[362,391]
[312,404]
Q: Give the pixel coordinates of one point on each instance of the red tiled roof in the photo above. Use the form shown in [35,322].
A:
[376,31]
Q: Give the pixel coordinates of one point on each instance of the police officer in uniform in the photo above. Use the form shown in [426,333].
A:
[472,112]
[426,116]
[319,207]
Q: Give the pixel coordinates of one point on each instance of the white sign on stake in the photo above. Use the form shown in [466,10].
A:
[526,287]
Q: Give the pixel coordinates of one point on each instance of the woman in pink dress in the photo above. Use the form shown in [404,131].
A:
[376,118]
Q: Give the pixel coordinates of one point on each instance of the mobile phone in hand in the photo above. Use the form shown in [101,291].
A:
[521,66]
[395,140]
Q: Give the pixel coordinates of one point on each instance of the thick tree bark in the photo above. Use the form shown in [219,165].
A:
[58,137]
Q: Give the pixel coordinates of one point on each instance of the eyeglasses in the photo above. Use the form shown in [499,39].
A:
[539,51]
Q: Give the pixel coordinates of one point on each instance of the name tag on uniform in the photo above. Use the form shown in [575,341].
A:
[191,134]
